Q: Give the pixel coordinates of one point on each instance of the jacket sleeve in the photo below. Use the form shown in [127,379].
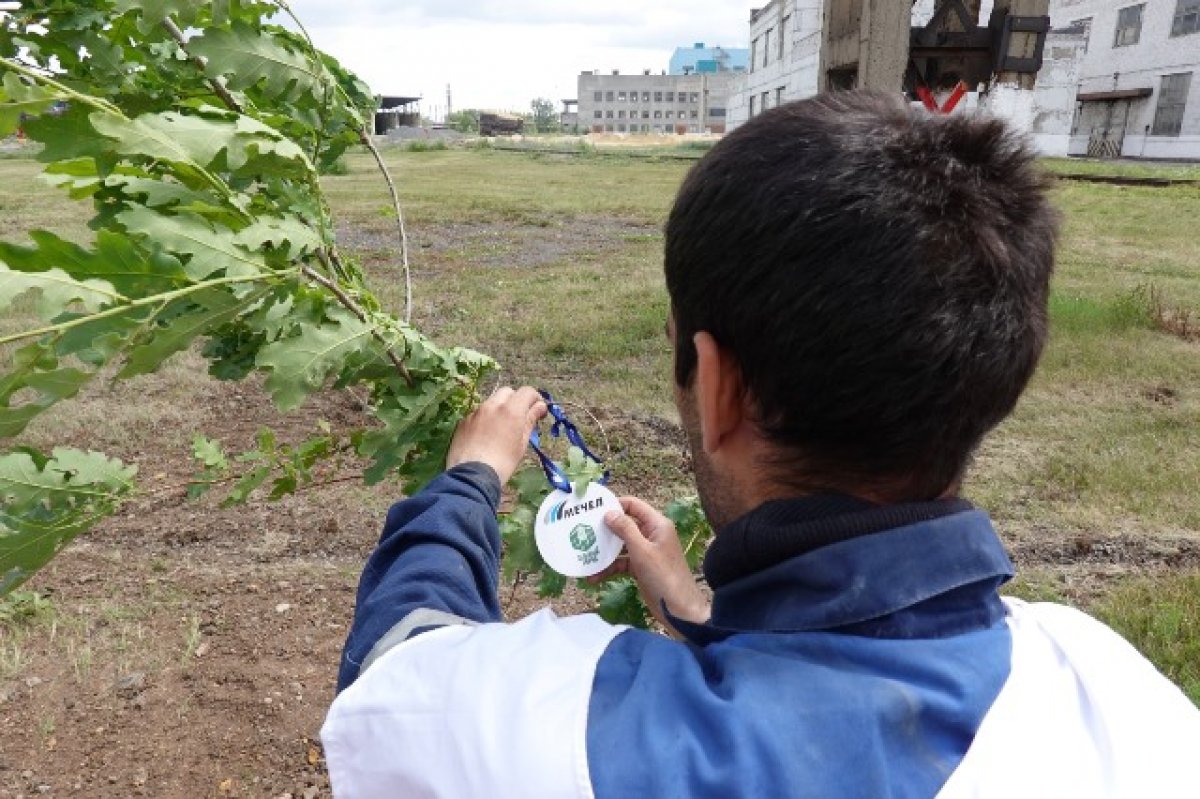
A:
[437,563]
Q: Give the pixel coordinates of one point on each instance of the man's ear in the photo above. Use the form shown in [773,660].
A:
[719,391]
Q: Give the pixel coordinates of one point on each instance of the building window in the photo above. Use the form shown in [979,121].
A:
[779,97]
[695,115]
[608,128]
[620,115]
[608,96]
[695,97]
[1172,99]
[1187,18]
[783,37]
[658,97]
[621,97]
[658,114]
[599,114]
[670,97]
[645,97]
[620,128]
[598,96]
[752,105]
[645,115]
[766,99]
[767,47]
[1129,26]
[608,114]
[753,54]
[716,112]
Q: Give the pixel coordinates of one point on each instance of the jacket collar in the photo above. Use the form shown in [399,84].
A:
[838,563]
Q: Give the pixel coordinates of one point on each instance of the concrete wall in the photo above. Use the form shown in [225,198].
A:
[640,104]
[782,77]
[1048,111]
[1136,66]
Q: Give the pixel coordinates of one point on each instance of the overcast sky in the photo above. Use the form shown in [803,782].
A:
[503,54]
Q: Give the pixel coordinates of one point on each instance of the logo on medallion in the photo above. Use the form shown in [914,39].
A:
[583,537]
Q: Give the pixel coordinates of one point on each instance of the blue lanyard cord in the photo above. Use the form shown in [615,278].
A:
[562,425]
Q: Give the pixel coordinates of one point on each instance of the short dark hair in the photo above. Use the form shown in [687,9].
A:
[881,275]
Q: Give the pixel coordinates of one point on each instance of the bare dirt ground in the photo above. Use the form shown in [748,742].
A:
[194,648]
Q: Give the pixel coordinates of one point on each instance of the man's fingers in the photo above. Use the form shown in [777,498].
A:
[527,396]
[648,519]
[499,396]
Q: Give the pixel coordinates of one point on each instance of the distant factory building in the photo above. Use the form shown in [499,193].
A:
[649,103]
[397,112]
[700,58]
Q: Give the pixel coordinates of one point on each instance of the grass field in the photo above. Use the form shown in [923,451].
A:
[552,264]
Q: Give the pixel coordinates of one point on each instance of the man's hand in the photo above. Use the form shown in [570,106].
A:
[498,431]
[657,563]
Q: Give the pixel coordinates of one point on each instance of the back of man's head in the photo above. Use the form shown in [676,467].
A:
[879,273]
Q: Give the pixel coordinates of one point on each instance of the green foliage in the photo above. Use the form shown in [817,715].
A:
[46,501]
[465,121]
[543,116]
[24,609]
[693,528]
[201,155]
[620,604]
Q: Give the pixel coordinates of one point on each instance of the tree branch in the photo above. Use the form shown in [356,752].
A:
[365,138]
[348,302]
[142,302]
[202,63]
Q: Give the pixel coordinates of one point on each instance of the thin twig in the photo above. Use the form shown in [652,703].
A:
[202,63]
[347,301]
[595,421]
[365,138]
[313,486]
[518,579]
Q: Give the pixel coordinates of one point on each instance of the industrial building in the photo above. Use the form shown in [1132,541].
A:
[1137,93]
[1116,79]
[785,56]
[649,103]
[701,58]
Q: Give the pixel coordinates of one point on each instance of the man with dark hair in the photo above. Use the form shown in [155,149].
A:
[858,295]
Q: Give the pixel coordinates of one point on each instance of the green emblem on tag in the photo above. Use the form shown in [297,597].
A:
[583,537]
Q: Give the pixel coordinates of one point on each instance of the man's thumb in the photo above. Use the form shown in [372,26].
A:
[625,528]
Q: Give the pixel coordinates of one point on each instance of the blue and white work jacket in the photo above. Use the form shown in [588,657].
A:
[853,651]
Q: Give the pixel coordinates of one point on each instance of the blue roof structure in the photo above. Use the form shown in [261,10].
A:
[700,58]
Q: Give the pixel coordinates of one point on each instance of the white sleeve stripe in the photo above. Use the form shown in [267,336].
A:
[421,617]
[494,710]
